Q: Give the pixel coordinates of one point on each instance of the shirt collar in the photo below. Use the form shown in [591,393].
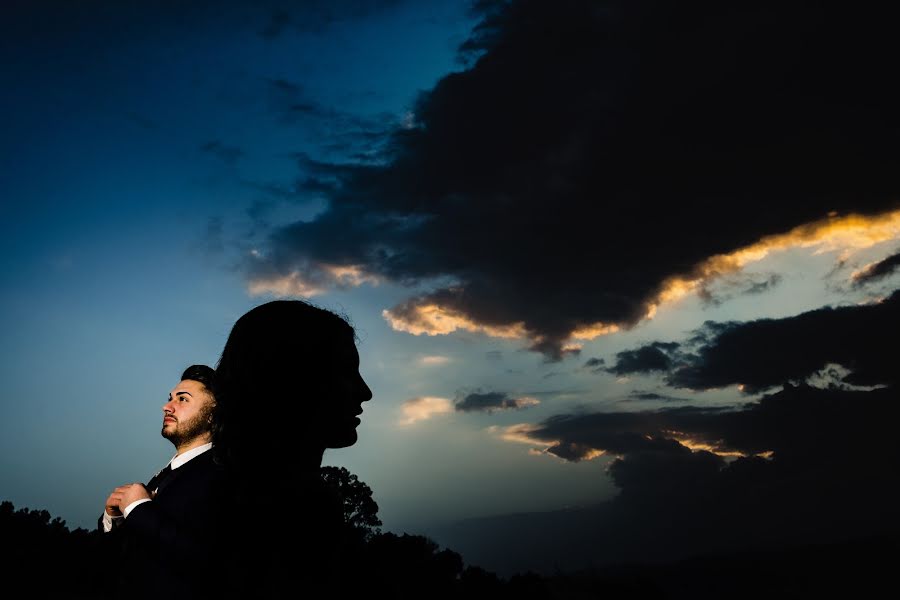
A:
[180,459]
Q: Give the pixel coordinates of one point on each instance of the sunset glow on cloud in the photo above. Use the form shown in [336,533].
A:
[424,407]
[696,445]
[847,234]
[284,285]
[432,319]
[520,433]
[326,277]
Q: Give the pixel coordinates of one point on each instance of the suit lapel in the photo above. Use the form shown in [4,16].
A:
[167,481]
[194,463]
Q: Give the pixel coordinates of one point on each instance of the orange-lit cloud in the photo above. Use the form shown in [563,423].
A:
[525,401]
[583,454]
[432,319]
[325,277]
[863,272]
[292,284]
[424,407]
[697,445]
[846,234]
[589,332]
[349,275]
[520,433]
[593,453]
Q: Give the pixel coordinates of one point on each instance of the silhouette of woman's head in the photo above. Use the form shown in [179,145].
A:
[288,381]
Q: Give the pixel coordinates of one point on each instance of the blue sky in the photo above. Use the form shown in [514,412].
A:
[151,158]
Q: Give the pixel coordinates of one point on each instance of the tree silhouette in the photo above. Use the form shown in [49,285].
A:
[41,556]
[360,510]
[51,560]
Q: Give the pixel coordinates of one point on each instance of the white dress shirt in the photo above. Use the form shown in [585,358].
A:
[110,522]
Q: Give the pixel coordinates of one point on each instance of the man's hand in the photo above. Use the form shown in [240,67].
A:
[124,495]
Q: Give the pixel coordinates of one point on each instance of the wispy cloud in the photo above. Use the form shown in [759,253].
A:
[314,281]
[488,402]
[876,271]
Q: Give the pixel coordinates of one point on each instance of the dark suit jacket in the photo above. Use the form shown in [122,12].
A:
[167,548]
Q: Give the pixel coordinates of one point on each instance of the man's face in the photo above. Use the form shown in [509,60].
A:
[188,413]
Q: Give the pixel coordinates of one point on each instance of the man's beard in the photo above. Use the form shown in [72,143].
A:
[185,431]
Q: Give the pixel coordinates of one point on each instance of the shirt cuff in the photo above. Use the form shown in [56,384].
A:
[109,522]
[132,506]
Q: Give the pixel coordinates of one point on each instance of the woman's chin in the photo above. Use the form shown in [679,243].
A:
[343,439]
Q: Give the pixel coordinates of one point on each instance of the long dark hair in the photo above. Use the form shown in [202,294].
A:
[271,372]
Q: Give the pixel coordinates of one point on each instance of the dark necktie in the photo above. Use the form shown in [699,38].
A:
[158,480]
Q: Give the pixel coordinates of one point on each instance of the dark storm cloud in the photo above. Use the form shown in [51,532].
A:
[800,465]
[878,271]
[594,365]
[652,396]
[593,150]
[777,423]
[625,432]
[657,356]
[832,473]
[491,401]
[738,285]
[762,353]
[766,353]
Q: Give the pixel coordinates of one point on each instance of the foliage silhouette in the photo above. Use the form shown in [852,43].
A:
[43,558]
[360,510]
[41,553]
